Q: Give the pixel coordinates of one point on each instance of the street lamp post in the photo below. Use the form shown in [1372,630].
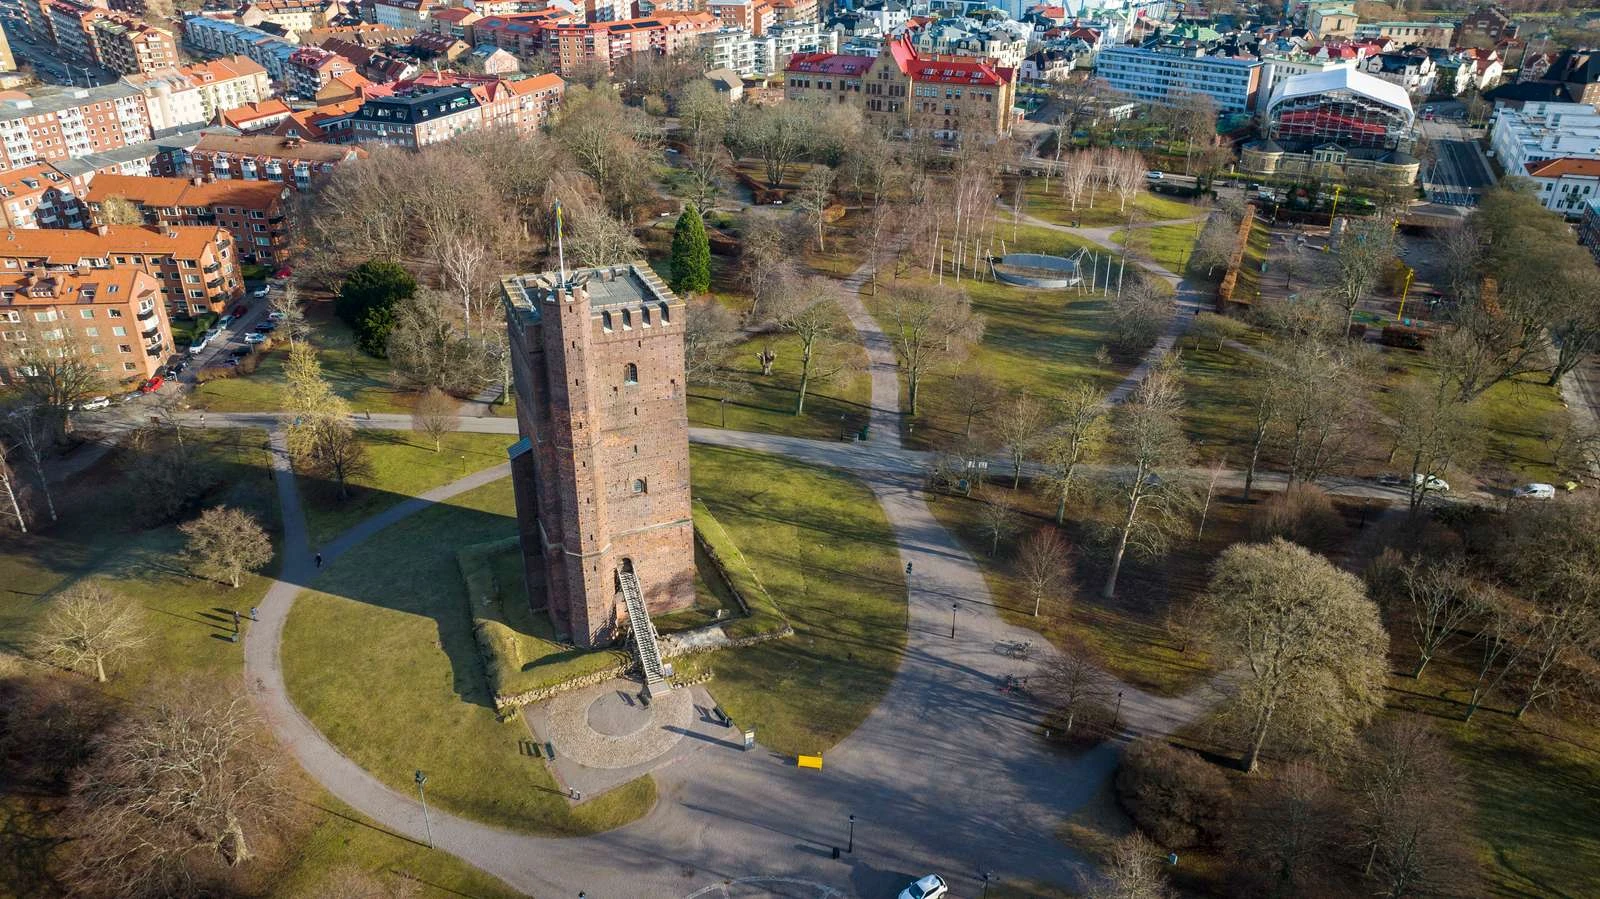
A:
[851,846]
[986,883]
[724,403]
[428,825]
[1116,717]
[953,607]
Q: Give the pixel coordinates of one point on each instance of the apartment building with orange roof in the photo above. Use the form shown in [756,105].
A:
[570,48]
[196,266]
[256,213]
[39,196]
[255,116]
[125,44]
[291,161]
[115,315]
[228,82]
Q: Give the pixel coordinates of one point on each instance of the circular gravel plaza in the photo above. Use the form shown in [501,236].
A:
[612,726]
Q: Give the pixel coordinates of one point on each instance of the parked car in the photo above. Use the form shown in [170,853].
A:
[200,344]
[929,887]
[261,291]
[1153,175]
[223,322]
[1535,491]
[152,385]
[267,327]
[214,333]
[1430,482]
[240,310]
[255,337]
[99,402]
[277,316]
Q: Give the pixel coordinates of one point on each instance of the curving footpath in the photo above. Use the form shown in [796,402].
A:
[946,774]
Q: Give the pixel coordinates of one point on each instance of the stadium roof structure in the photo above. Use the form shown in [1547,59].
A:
[1346,79]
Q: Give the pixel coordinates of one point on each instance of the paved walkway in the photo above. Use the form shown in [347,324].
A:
[882,362]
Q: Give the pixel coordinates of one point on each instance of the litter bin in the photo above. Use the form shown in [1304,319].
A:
[862,434]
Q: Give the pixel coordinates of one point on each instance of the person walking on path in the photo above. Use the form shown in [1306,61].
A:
[319,560]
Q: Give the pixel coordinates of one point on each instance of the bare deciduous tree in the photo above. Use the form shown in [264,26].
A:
[429,347]
[1433,431]
[1020,426]
[1356,265]
[809,308]
[975,394]
[89,627]
[1082,426]
[1124,175]
[1408,811]
[929,326]
[1134,871]
[1310,643]
[291,313]
[172,793]
[226,543]
[1149,445]
[1073,684]
[1441,598]
[1291,830]
[998,519]
[10,500]
[435,414]
[816,195]
[1045,568]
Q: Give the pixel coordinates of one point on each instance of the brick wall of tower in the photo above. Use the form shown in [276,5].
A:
[593,436]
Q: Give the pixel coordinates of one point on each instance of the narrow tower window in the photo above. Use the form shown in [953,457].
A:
[630,374]
[638,485]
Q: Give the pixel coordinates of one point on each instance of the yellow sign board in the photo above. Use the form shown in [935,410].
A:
[811,761]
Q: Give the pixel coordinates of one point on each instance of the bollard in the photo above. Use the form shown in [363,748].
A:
[549,750]
[836,852]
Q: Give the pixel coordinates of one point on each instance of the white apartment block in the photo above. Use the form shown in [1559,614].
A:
[172,98]
[1566,185]
[1543,131]
[1163,76]
[409,14]
[751,56]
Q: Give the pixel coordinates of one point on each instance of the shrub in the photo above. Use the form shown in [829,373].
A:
[214,373]
[1303,514]
[1173,795]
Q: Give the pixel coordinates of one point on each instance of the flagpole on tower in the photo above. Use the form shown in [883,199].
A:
[561,253]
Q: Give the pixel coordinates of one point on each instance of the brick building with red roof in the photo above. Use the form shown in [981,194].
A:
[900,91]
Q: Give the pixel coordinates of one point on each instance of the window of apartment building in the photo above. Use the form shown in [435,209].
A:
[127,366]
[119,331]
[124,347]
[86,313]
[113,313]
[196,294]
[91,332]
[191,279]
[48,315]
[187,263]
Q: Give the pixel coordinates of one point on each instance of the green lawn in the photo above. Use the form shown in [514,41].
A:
[766,403]
[343,841]
[1105,212]
[184,614]
[380,657]
[367,383]
[1040,341]
[825,553]
[403,465]
[1168,245]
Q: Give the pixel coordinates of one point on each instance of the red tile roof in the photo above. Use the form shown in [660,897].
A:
[828,64]
[1565,167]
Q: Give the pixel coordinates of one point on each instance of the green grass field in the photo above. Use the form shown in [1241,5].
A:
[184,614]
[1040,341]
[1168,245]
[766,403]
[367,383]
[403,465]
[824,550]
[1105,213]
[380,656]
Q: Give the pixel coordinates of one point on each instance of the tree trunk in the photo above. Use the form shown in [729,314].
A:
[1016,470]
[234,578]
[238,850]
[805,380]
[1061,507]
[913,381]
[100,669]
[1421,664]
[1472,705]
[1038,600]
[994,545]
[1255,457]
[11,496]
[1110,589]
[1252,757]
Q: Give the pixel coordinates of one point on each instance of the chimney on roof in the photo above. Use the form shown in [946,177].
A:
[197,180]
[102,230]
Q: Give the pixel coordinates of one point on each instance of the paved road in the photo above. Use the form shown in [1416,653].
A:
[1459,173]
[947,774]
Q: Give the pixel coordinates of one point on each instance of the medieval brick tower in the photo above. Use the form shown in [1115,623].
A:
[601,474]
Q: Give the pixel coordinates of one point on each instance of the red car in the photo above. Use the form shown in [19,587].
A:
[152,385]
[240,310]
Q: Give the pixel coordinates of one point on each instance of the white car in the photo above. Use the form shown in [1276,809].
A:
[1526,491]
[930,887]
[1430,483]
[261,291]
[255,337]
[1153,175]
[99,402]
[277,316]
